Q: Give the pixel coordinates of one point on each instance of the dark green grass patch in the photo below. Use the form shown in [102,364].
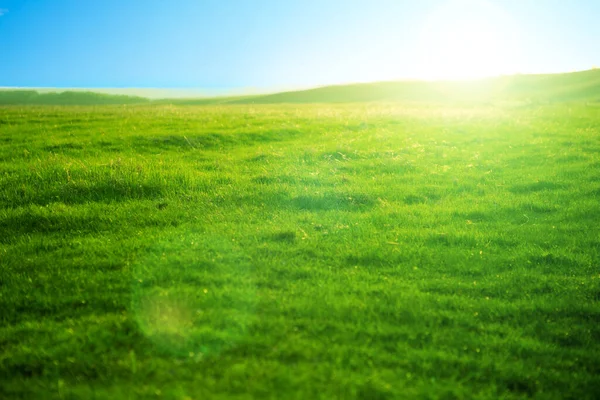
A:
[370,251]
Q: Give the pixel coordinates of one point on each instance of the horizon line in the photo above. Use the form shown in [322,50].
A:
[262,90]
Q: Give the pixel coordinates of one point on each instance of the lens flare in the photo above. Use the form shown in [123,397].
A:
[194,294]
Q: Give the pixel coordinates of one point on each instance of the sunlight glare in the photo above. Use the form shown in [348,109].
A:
[468,39]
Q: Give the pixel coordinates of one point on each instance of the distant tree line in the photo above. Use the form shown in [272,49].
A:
[32,97]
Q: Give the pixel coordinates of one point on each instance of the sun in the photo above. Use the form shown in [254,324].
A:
[468,39]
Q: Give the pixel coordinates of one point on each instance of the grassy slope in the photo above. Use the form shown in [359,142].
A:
[557,87]
[578,86]
[32,97]
[206,101]
[299,251]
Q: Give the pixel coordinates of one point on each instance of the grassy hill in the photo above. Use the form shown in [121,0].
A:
[552,87]
[576,86]
[32,97]
[205,101]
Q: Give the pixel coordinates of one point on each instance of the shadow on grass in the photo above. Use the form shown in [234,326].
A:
[34,222]
[536,187]
[334,201]
[81,193]
[552,262]
[415,199]
[209,141]
[63,146]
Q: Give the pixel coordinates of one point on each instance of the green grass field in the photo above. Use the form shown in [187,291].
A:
[364,250]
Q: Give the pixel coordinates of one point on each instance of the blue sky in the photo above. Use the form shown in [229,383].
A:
[275,43]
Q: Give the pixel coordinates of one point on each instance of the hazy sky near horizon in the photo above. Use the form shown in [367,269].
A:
[274,43]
